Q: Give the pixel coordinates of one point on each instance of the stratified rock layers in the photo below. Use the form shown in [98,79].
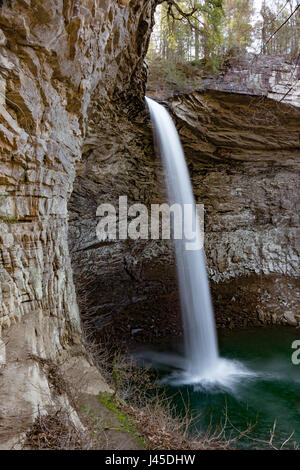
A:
[243,156]
[58,61]
[72,82]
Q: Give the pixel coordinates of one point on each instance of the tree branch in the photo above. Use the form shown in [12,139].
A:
[184,14]
[275,32]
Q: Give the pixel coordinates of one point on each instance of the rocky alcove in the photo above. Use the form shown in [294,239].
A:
[75,133]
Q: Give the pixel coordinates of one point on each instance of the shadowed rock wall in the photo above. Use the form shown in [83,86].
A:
[56,56]
[243,156]
[244,161]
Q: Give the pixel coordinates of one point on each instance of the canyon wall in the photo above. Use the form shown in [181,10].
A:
[72,82]
[244,161]
[274,77]
[243,155]
[59,61]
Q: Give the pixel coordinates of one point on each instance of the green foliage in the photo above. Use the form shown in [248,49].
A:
[213,15]
[211,31]
[187,28]
[127,424]
[238,30]
[165,76]
[286,39]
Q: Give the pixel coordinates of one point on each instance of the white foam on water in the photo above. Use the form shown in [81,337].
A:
[201,364]
[227,375]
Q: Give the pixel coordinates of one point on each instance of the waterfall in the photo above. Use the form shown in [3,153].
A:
[201,351]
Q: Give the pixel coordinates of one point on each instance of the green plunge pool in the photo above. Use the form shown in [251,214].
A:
[269,394]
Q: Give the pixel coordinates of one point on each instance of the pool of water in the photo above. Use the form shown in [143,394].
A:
[269,394]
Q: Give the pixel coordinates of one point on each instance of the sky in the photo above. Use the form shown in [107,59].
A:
[257,4]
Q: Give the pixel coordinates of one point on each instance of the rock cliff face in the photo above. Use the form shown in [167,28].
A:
[60,61]
[244,161]
[71,102]
[243,155]
[271,76]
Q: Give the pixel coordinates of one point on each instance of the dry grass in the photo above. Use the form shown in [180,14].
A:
[156,418]
[57,431]
[55,378]
[146,409]
[164,432]
[137,395]
[151,415]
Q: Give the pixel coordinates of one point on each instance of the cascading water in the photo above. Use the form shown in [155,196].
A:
[198,319]
[217,382]
[202,362]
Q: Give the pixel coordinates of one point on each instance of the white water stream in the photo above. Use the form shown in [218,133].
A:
[202,363]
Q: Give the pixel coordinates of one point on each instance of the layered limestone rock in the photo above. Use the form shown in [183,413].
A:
[71,86]
[274,77]
[124,283]
[243,156]
[59,60]
[244,161]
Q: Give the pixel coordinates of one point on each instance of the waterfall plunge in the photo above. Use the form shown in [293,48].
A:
[202,364]
[199,327]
